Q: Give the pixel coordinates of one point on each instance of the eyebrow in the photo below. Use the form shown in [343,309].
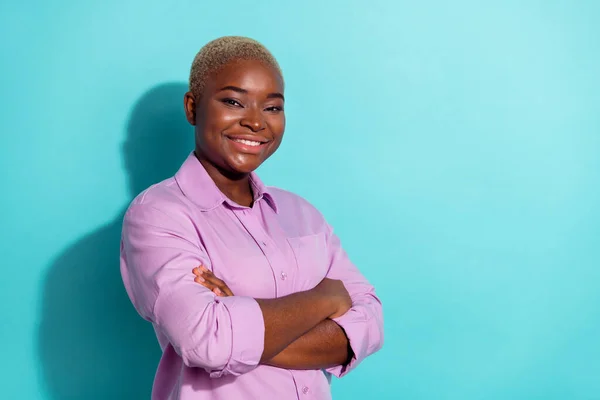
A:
[244,91]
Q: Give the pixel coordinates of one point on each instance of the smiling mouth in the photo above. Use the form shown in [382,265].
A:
[247,142]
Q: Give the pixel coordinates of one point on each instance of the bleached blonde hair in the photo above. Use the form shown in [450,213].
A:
[219,52]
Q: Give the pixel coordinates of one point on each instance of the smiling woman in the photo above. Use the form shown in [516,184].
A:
[249,290]
[238,116]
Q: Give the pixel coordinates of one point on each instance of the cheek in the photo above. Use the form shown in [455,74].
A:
[213,126]
[218,118]
[277,125]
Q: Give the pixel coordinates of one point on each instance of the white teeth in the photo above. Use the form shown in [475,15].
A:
[248,142]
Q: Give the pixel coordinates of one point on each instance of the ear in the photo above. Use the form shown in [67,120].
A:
[189,104]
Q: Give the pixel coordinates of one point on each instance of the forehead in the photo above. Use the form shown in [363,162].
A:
[251,75]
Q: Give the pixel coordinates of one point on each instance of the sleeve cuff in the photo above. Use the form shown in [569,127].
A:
[248,335]
[356,329]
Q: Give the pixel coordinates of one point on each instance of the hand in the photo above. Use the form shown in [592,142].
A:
[207,279]
[336,291]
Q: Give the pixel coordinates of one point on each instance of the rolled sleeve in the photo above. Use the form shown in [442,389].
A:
[224,336]
[364,330]
[247,336]
[363,323]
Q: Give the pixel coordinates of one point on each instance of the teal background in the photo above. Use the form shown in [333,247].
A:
[455,146]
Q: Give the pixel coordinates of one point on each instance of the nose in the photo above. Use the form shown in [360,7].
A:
[253,120]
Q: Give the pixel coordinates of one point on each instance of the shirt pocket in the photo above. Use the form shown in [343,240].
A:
[312,259]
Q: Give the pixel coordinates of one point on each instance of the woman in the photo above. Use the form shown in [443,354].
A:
[250,294]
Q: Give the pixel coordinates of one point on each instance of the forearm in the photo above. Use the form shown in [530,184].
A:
[288,318]
[324,346]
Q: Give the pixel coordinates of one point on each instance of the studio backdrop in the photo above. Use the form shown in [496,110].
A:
[454,146]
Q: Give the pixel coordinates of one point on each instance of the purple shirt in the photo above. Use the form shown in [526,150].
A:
[281,245]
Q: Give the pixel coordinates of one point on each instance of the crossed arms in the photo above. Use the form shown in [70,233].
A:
[333,326]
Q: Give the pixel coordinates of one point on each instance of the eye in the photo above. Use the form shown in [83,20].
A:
[231,102]
[274,109]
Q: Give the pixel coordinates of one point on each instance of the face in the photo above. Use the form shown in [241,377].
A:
[239,120]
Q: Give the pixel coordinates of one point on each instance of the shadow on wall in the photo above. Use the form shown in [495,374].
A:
[92,343]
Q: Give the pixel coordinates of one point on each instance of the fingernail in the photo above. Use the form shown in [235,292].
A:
[203,268]
[218,291]
[201,279]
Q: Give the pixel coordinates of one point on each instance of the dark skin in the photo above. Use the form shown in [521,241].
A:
[321,347]
[239,122]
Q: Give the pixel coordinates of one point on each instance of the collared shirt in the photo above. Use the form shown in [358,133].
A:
[281,245]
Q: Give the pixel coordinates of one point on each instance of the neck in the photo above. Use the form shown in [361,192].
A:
[236,186]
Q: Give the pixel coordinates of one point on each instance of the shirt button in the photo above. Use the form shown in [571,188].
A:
[283,276]
[305,389]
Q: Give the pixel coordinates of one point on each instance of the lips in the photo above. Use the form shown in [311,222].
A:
[249,144]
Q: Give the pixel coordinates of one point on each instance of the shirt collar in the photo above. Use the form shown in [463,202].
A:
[198,186]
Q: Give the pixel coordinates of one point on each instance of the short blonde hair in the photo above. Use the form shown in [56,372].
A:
[219,52]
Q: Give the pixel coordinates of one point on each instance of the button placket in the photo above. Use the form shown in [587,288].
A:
[251,225]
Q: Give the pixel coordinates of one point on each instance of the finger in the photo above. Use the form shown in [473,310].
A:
[200,270]
[218,283]
[227,291]
[211,278]
[207,276]
[203,268]
[209,286]
[218,292]
[203,282]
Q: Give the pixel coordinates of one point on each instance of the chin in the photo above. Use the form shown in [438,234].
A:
[244,168]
